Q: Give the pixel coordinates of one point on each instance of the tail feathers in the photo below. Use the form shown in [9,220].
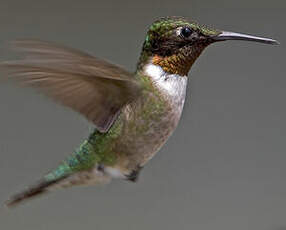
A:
[38,189]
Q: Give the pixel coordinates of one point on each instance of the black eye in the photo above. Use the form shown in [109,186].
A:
[186,32]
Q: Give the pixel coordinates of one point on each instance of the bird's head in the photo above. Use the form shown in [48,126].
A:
[174,43]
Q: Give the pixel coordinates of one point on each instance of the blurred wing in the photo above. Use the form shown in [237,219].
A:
[91,86]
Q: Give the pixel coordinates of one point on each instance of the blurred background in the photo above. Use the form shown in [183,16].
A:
[224,167]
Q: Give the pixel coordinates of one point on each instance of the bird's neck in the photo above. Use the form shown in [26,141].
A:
[179,63]
[175,64]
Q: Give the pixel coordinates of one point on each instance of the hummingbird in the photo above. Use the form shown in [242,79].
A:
[133,113]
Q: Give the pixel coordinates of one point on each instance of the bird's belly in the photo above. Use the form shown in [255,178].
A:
[145,131]
[155,133]
[137,145]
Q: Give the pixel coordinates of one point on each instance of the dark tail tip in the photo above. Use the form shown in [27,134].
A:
[33,191]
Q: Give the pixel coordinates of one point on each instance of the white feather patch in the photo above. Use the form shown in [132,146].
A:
[172,84]
[114,172]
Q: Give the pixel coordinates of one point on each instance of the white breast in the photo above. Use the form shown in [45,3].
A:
[173,85]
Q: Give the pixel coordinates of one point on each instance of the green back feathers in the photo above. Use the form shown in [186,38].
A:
[95,150]
[82,159]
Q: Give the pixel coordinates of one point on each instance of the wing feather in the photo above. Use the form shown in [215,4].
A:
[91,86]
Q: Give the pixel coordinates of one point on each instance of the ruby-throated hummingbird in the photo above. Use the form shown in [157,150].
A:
[134,113]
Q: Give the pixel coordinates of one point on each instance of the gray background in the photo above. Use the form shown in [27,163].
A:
[224,168]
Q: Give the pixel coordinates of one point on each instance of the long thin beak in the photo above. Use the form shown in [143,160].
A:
[245,37]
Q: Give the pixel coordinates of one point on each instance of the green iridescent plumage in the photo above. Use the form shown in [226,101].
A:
[97,149]
[84,158]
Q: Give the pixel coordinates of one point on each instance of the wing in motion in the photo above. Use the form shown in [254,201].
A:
[91,86]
